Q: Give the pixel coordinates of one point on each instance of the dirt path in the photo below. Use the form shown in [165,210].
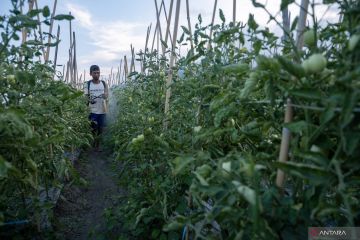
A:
[80,211]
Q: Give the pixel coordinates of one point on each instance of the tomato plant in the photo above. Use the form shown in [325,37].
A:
[40,119]
[212,171]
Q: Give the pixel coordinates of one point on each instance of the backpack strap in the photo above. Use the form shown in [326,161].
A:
[88,86]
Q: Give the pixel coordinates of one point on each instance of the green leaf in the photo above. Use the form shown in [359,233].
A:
[294,24]
[296,127]
[294,69]
[200,18]
[351,142]
[34,12]
[201,179]
[285,3]
[246,192]
[257,45]
[306,93]
[221,14]
[236,68]
[46,11]
[164,43]
[186,31]
[4,167]
[181,162]
[256,4]
[312,173]
[60,17]
[252,23]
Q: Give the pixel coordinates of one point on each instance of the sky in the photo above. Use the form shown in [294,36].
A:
[105,29]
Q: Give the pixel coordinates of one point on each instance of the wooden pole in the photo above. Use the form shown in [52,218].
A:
[132,63]
[172,59]
[189,24]
[120,71]
[125,67]
[40,31]
[234,12]
[75,61]
[285,140]
[302,23]
[57,47]
[212,24]
[167,34]
[158,12]
[286,23]
[285,143]
[145,49]
[50,31]
[24,31]
[167,20]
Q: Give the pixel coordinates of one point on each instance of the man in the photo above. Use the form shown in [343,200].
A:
[97,93]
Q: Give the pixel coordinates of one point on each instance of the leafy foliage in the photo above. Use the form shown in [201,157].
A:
[40,119]
[213,169]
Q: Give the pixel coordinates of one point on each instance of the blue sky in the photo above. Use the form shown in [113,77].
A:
[106,28]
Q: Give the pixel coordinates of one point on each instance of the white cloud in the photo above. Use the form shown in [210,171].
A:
[109,41]
[81,14]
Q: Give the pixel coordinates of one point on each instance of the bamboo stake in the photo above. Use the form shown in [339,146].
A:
[67,72]
[234,12]
[172,58]
[40,31]
[189,24]
[302,23]
[120,71]
[145,49]
[167,34]
[57,47]
[156,29]
[125,68]
[24,30]
[285,143]
[63,72]
[132,63]
[158,23]
[167,20]
[286,23]
[74,61]
[212,24]
[285,140]
[50,31]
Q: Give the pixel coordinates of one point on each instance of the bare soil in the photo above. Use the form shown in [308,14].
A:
[81,210]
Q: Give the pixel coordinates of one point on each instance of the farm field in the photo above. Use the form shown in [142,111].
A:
[224,130]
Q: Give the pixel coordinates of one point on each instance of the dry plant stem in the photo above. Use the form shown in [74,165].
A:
[50,31]
[212,24]
[189,24]
[285,143]
[172,60]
